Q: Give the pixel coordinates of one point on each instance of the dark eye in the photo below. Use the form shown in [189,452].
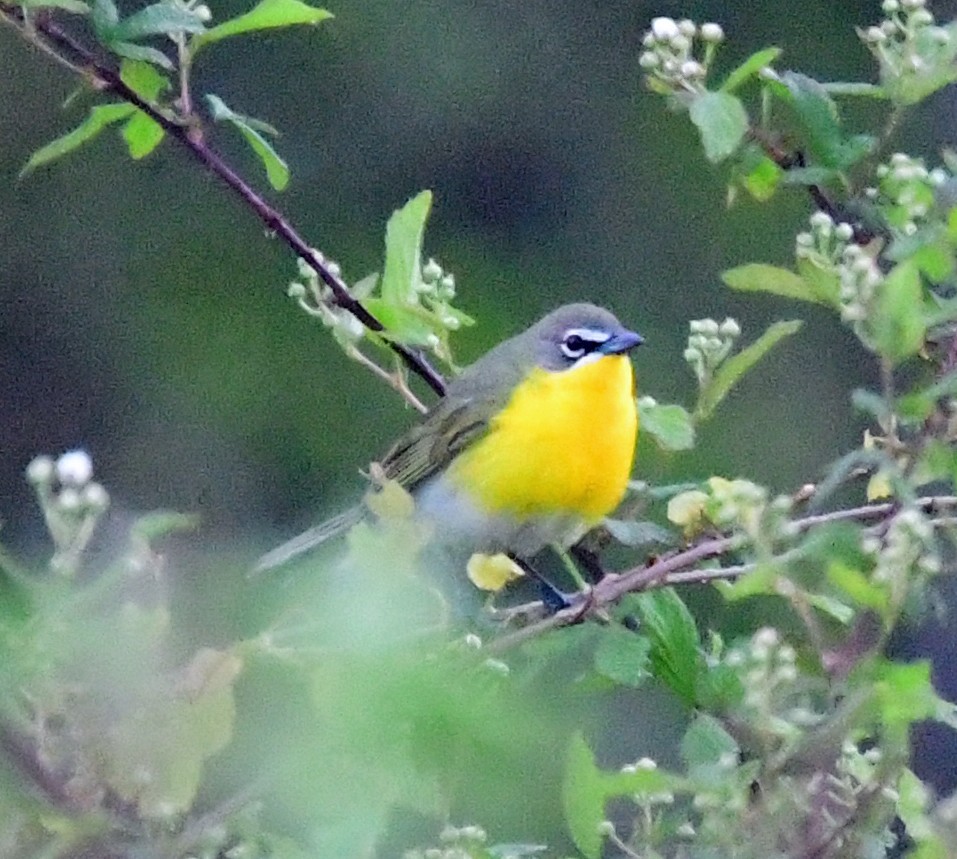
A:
[579,342]
[574,346]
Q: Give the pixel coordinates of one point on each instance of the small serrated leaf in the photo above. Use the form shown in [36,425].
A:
[898,320]
[675,642]
[721,121]
[277,171]
[759,277]
[77,6]
[634,534]
[158,19]
[142,135]
[403,250]
[622,656]
[705,746]
[583,798]
[266,15]
[731,371]
[100,117]
[670,425]
[750,68]
[161,523]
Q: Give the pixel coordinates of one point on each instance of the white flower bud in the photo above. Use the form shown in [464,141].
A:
[845,232]
[69,499]
[688,28]
[40,470]
[646,764]
[95,496]
[821,221]
[203,13]
[691,69]
[730,328]
[664,29]
[874,35]
[648,60]
[431,271]
[74,468]
[681,44]
[712,32]
[889,7]
[921,18]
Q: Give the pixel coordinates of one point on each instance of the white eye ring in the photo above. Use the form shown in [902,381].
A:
[579,342]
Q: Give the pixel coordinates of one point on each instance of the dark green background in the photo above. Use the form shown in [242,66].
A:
[144,315]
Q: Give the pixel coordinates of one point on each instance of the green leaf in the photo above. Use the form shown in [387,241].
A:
[161,523]
[731,371]
[76,6]
[142,52]
[722,123]
[706,748]
[583,798]
[674,640]
[669,425]
[143,79]
[276,169]
[906,694]
[158,19]
[762,179]
[910,83]
[750,68]
[403,250]
[142,135]
[622,656]
[818,114]
[858,587]
[100,117]
[634,534]
[104,17]
[409,324]
[266,15]
[898,323]
[759,277]
[824,283]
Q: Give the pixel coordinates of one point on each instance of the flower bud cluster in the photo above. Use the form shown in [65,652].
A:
[462,842]
[72,503]
[905,191]
[824,243]
[437,288]
[736,502]
[892,41]
[709,343]
[907,549]
[677,54]
[317,299]
[860,282]
[767,667]
[647,800]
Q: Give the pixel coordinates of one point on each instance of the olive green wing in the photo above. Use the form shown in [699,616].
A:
[428,448]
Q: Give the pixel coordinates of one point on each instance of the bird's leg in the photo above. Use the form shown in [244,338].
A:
[552,598]
[588,561]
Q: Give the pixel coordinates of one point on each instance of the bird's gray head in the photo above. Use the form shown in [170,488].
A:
[576,334]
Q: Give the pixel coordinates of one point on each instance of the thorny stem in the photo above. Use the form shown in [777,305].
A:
[54,40]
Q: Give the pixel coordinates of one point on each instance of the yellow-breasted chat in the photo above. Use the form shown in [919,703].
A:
[532,444]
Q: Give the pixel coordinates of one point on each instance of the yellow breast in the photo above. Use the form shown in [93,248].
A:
[563,444]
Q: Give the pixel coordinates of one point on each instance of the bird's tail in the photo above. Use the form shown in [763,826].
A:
[308,540]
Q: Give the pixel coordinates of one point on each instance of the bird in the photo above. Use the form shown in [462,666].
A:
[532,445]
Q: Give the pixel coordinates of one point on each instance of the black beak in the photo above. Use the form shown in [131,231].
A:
[624,341]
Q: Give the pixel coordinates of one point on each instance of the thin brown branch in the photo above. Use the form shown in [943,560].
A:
[679,568]
[47,35]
